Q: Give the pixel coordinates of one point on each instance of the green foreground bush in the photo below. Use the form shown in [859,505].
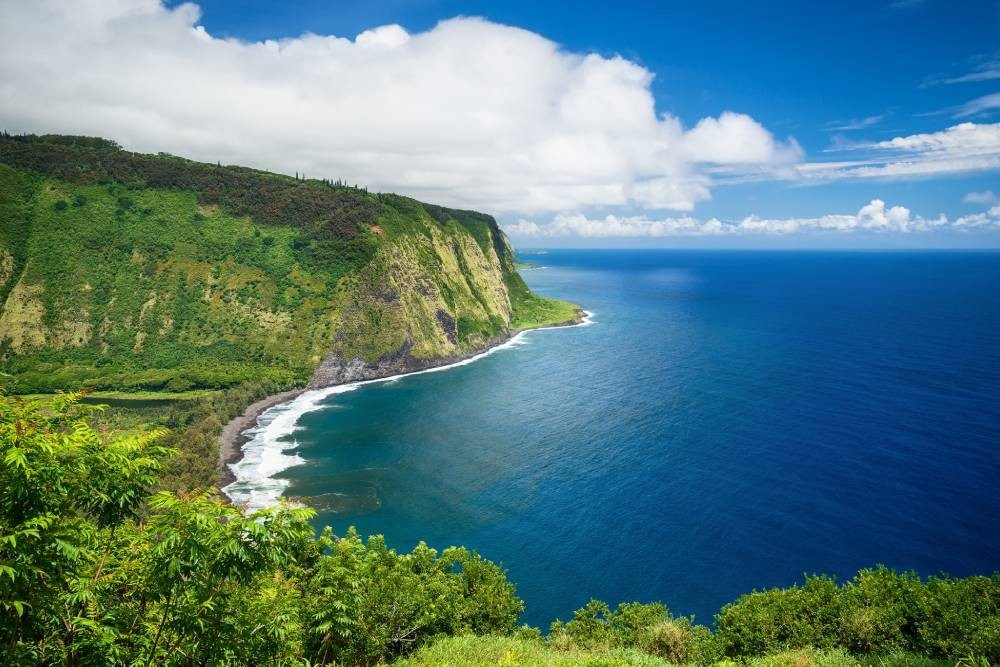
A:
[94,570]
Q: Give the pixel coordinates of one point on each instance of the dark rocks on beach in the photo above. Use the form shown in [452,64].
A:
[336,370]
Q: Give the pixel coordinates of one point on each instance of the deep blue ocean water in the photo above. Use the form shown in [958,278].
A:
[730,421]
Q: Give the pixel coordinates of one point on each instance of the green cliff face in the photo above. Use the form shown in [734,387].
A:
[128,271]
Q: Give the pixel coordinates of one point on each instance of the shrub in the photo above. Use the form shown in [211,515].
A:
[370,603]
[878,612]
[528,633]
[649,628]
[668,639]
[83,582]
[781,619]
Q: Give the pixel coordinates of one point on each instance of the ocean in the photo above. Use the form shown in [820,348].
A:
[727,421]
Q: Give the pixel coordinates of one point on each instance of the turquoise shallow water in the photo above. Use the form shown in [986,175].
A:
[731,420]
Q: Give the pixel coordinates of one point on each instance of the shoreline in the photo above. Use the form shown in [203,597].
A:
[233,436]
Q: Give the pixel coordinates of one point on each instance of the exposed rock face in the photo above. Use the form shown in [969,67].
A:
[336,370]
[449,298]
[447,323]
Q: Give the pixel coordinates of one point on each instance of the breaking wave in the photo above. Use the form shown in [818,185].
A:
[272,447]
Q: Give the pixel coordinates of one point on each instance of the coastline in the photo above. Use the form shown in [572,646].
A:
[234,434]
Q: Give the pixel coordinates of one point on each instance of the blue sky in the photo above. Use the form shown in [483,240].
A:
[806,85]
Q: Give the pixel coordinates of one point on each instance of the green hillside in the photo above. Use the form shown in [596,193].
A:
[150,272]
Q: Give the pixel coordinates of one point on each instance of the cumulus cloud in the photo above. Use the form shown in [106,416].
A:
[875,217]
[470,113]
[987,219]
[966,147]
[735,138]
[985,197]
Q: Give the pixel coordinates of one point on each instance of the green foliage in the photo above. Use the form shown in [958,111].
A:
[794,617]
[369,603]
[473,651]
[878,612]
[649,628]
[531,310]
[322,209]
[153,273]
[65,488]
[94,571]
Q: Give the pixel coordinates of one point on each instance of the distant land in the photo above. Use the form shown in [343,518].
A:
[141,273]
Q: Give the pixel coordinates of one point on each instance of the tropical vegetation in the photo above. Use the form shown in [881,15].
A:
[144,276]
[99,568]
[126,271]
[180,292]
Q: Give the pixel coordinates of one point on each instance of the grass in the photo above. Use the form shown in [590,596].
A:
[472,651]
[534,311]
[840,658]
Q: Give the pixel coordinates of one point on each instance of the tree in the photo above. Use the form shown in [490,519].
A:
[66,489]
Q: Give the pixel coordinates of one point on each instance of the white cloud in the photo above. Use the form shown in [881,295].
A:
[873,217]
[979,105]
[984,71]
[855,123]
[738,139]
[989,219]
[966,147]
[961,139]
[577,224]
[985,197]
[469,113]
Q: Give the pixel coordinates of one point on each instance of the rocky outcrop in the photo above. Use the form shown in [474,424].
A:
[335,370]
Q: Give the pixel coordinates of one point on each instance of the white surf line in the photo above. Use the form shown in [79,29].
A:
[264,454]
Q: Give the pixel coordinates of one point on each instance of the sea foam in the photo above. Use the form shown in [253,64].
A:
[271,448]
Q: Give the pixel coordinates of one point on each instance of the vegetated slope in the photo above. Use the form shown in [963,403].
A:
[94,571]
[123,270]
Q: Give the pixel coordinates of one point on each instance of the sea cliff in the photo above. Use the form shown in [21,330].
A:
[126,271]
[132,272]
